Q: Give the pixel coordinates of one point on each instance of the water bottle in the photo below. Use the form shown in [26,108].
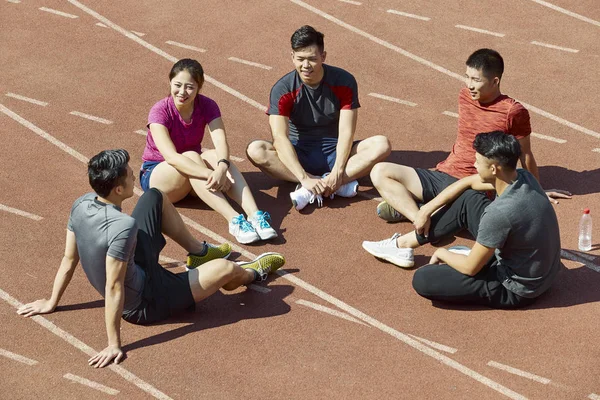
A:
[585,231]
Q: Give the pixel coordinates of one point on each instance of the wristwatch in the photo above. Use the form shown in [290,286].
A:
[224,161]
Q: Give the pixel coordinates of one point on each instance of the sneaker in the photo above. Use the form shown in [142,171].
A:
[261,225]
[388,250]
[301,197]
[349,189]
[212,253]
[388,213]
[464,250]
[243,230]
[264,264]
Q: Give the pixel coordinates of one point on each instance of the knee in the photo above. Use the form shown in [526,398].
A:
[257,152]
[194,155]
[420,282]
[379,173]
[380,147]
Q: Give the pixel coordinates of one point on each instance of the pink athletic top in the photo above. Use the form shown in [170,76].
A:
[185,136]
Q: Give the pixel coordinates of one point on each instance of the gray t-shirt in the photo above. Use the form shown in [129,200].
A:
[100,230]
[522,226]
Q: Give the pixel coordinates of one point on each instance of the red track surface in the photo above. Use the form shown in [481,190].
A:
[266,345]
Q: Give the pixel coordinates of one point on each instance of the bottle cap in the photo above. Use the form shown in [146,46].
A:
[586,211]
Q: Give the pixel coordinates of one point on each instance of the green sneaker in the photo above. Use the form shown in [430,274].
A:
[388,213]
[265,264]
[212,253]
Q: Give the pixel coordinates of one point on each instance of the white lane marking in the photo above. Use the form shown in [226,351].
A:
[20,212]
[14,1]
[470,28]
[185,46]
[72,340]
[169,260]
[62,14]
[166,55]
[396,12]
[567,12]
[519,372]
[101,25]
[435,345]
[293,279]
[142,132]
[594,396]
[550,138]
[258,288]
[551,46]
[91,117]
[450,114]
[91,384]
[356,3]
[330,311]
[393,99]
[139,33]
[434,66]
[27,99]
[17,357]
[251,63]
[596,150]
[43,134]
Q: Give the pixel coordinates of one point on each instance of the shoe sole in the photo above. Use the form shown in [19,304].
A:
[274,235]
[256,239]
[464,250]
[187,268]
[390,259]
[386,216]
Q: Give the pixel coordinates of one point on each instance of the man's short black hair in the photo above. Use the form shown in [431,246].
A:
[107,169]
[501,147]
[489,61]
[307,36]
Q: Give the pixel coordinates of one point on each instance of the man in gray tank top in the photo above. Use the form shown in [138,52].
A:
[119,255]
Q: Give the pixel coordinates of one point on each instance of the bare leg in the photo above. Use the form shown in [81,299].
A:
[400,186]
[408,240]
[174,227]
[217,274]
[365,155]
[264,156]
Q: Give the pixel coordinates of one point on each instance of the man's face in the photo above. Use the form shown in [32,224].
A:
[309,64]
[481,88]
[485,168]
[127,184]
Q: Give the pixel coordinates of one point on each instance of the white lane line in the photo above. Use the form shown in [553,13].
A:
[594,396]
[251,63]
[393,99]
[356,3]
[14,1]
[91,384]
[396,12]
[551,46]
[567,12]
[27,99]
[17,357]
[62,14]
[185,46]
[596,150]
[257,288]
[519,372]
[139,33]
[20,212]
[72,340]
[435,345]
[142,132]
[470,28]
[330,311]
[434,66]
[450,114]
[550,138]
[101,25]
[290,277]
[166,55]
[91,117]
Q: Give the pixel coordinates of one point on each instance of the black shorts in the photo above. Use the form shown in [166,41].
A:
[164,293]
[433,182]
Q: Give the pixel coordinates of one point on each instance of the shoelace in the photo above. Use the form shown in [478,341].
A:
[319,199]
[262,219]
[263,272]
[244,225]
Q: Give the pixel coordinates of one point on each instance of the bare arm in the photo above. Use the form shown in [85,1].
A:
[347,128]
[219,179]
[61,281]
[113,310]
[468,265]
[181,163]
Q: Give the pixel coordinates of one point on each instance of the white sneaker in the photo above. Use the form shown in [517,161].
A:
[262,226]
[301,197]
[464,250]
[243,230]
[388,250]
[349,189]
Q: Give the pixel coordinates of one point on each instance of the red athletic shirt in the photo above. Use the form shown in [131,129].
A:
[503,114]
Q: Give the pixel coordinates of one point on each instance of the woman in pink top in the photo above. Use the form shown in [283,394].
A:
[175,164]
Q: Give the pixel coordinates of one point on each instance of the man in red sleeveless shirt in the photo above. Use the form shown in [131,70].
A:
[481,108]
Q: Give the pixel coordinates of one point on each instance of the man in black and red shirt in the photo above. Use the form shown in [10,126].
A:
[313,112]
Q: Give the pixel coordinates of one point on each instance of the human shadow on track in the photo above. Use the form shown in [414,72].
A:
[219,310]
[576,182]
[80,306]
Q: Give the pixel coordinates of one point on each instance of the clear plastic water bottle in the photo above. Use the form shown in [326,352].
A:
[585,231]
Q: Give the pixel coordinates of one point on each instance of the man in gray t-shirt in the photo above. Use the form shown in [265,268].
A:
[119,254]
[516,256]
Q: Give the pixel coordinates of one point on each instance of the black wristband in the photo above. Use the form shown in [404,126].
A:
[224,161]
